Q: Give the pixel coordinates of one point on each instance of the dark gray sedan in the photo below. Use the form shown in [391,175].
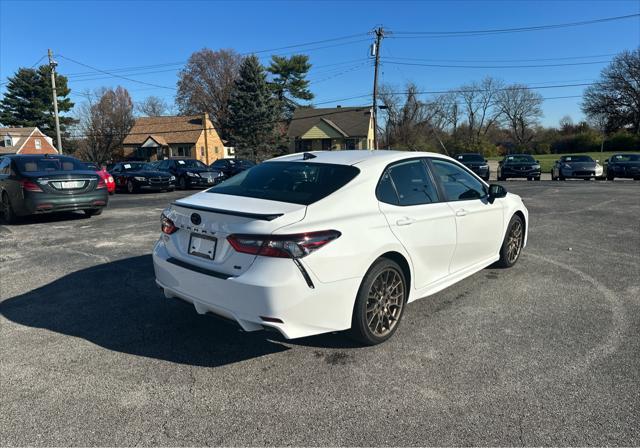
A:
[33,184]
[576,167]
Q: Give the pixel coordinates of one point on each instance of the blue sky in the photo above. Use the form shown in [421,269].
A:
[119,34]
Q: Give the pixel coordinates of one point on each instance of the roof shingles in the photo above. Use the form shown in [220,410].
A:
[166,130]
[351,121]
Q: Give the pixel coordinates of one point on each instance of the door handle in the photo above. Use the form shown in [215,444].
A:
[461,212]
[405,221]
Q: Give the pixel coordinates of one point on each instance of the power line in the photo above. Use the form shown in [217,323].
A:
[565,64]
[564,58]
[116,75]
[334,39]
[423,34]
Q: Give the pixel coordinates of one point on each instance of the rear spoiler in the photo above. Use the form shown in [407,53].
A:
[259,216]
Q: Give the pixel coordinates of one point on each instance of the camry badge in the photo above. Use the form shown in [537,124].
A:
[196,219]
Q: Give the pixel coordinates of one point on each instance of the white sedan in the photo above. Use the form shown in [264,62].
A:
[317,242]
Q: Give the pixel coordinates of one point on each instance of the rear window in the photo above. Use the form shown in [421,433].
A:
[294,182]
[49,164]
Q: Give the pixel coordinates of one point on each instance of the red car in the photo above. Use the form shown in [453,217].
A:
[102,172]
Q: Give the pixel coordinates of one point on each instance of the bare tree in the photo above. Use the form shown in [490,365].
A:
[617,95]
[521,110]
[152,106]
[105,120]
[479,104]
[206,83]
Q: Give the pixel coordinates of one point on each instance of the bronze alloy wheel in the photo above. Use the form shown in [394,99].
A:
[385,302]
[514,241]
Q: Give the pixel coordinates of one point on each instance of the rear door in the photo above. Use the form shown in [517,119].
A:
[423,223]
[479,224]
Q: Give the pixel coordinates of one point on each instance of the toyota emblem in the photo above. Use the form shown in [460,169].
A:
[196,219]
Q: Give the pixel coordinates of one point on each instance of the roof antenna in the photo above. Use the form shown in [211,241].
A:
[308,155]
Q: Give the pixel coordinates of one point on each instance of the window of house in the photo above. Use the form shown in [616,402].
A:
[7,141]
[216,150]
[38,143]
[202,151]
[351,143]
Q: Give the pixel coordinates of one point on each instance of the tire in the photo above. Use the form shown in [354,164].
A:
[182,183]
[131,188]
[172,189]
[7,215]
[529,178]
[384,313]
[552,176]
[501,178]
[111,193]
[513,240]
[537,178]
[610,177]
[93,212]
[561,178]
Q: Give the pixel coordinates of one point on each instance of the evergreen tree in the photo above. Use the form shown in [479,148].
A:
[252,112]
[288,83]
[28,101]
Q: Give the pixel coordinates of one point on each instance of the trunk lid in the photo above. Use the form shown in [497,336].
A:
[65,183]
[206,220]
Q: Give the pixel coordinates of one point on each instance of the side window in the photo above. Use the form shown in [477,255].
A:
[407,183]
[458,184]
[4,166]
[386,192]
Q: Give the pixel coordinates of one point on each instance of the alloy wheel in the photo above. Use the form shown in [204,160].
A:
[514,243]
[385,302]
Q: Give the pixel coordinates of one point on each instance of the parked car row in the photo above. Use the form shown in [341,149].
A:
[623,165]
[35,184]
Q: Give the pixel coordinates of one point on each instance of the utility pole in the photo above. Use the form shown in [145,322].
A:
[379,32]
[53,64]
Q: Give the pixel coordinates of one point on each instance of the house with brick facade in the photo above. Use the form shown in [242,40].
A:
[330,129]
[25,141]
[189,137]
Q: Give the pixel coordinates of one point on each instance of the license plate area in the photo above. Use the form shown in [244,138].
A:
[202,246]
[69,184]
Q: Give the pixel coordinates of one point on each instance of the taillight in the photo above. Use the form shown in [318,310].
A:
[28,185]
[282,246]
[166,225]
[101,183]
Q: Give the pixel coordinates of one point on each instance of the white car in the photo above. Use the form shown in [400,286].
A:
[317,242]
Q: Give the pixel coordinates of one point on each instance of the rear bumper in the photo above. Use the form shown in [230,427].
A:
[272,288]
[36,203]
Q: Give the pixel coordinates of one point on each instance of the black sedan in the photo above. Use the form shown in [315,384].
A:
[231,167]
[476,163]
[138,176]
[519,166]
[576,167]
[623,165]
[191,173]
[34,184]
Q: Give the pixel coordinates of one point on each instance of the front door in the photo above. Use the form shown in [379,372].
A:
[479,224]
[423,223]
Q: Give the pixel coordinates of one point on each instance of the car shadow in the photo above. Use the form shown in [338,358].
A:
[50,218]
[117,306]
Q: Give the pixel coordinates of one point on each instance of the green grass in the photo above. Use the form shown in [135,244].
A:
[547,160]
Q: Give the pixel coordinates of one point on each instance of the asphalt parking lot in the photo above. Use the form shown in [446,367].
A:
[545,353]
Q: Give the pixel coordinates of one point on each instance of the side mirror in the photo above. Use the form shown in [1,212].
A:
[496,191]
[538,162]
[597,161]
[606,160]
